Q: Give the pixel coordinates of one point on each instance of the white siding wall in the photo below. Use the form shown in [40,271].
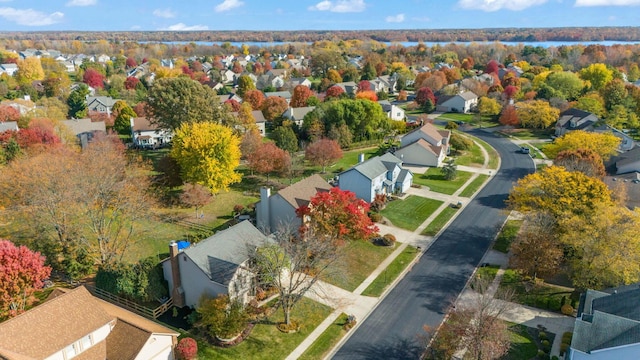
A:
[157,347]
[406,184]
[354,181]
[195,282]
[97,336]
[629,352]
[377,187]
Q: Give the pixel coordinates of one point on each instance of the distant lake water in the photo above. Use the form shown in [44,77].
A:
[544,44]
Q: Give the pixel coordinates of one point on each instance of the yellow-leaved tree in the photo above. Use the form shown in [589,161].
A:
[536,114]
[29,70]
[559,192]
[604,144]
[605,249]
[208,154]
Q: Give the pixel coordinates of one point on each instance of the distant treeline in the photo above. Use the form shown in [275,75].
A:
[439,35]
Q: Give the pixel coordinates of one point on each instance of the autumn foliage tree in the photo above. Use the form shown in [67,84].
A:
[537,114]
[273,107]
[22,272]
[367,95]
[8,113]
[586,161]
[423,95]
[255,98]
[339,215]
[536,251]
[604,144]
[269,159]
[195,195]
[300,96]
[509,116]
[323,152]
[131,83]
[208,154]
[93,78]
[187,349]
[334,92]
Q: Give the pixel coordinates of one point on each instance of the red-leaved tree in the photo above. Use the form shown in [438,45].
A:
[492,67]
[131,62]
[334,92]
[187,349]
[9,113]
[423,95]
[509,116]
[273,107]
[367,95]
[93,78]
[268,159]
[300,96]
[255,98]
[510,91]
[234,105]
[364,85]
[323,152]
[22,272]
[131,82]
[338,214]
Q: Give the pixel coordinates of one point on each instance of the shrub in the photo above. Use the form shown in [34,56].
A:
[563,348]
[141,281]
[567,310]
[187,349]
[566,337]
[542,355]
[222,317]
[388,240]
[554,358]
[375,217]
[238,209]
[378,202]
[290,328]
[546,346]
[542,335]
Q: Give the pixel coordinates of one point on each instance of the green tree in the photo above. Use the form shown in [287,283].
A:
[285,138]
[208,154]
[123,113]
[368,72]
[77,102]
[537,114]
[174,101]
[222,317]
[449,170]
[614,93]
[245,83]
[593,103]
[598,75]
[567,84]
[323,60]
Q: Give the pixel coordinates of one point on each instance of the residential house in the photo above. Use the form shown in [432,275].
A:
[575,119]
[393,111]
[103,59]
[349,87]
[74,324]
[459,103]
[214,266]
[101,104]
[8,126]
[68,65]
[424,146]
[85,130]
[8,69]
[279,210]
[259,119]
[378,175]
[283,94]
[293,82]
[227,76]
[297,114]
[607,326]
[628,162]
[148,135]
[168,63]
[140,70]
[269,80]
[387,83]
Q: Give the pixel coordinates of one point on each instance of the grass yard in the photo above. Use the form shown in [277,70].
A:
[266,341]
[327,340]
[530,134]
[494,158]
[360,259]
[350,158]
[435,180]
[472,157]
[523,346]
[474,186]
[507,235]
[540,295]
[487,272]
[377,287]
[411,212]
[485,121]
[438,223]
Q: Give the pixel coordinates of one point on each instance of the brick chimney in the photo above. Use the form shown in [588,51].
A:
[176,292]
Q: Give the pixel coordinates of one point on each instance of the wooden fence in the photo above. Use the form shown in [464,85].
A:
[131,305]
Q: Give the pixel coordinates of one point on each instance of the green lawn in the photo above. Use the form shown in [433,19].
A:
[327,340]
[530,134]
[360,259]
[507,235]
[411,212]
[472,157]
[350,158]
[540,295]
[523,345]
[487,272]
[474,186]
[435,180]
[438,223]
[494,158]
[266,341]
[486,121]
[391,272]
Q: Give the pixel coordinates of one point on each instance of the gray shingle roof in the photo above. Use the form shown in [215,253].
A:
[79,126]
[8,125]
[219,255]
[377,166]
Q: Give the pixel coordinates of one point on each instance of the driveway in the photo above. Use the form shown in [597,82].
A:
[394,330]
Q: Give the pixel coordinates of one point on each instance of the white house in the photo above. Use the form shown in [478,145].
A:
[279,210]
[607,326]
[74,324]
[8,69]
[214,266]
[378,175]
[424,146]
[459,103]
[148,135]
[393,112]
[297,114]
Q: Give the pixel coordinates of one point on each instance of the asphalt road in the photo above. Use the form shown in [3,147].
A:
[394,330]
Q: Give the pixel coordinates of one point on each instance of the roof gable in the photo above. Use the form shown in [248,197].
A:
[301,192]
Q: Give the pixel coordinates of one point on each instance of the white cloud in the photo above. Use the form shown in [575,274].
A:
[339,6]
[227,5]
[183,27]
[82,2]
[164,13]
[395,18]
[30,17]
[495,5]
[607,2]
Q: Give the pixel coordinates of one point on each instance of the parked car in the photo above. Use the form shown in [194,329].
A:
[524,150]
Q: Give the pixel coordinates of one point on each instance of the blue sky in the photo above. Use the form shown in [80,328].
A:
[121,15]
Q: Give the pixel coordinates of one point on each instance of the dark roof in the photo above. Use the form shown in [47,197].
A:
[576,115]
[219,255]
[377,166]
[628,157]
[623,304]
